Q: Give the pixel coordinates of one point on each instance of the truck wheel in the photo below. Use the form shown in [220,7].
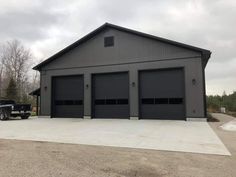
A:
[3,115]
[8,113]
[24,117]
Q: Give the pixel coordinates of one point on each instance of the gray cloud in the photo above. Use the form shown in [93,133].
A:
[30,24]
[49,25]
[26,25]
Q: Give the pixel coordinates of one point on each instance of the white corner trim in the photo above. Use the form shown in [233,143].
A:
[44,116]
[134,118]
[87,117]
[196,119]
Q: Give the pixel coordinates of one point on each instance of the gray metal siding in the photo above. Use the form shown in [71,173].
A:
[193,93]
[131,54]
[128,48]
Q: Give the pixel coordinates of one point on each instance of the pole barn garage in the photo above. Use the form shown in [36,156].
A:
[115,72]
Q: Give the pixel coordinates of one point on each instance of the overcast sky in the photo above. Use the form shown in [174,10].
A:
[47,26]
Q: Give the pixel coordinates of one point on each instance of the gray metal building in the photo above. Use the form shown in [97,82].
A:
[115,72]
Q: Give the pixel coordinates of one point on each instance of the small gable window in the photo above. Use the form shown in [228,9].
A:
[109,41]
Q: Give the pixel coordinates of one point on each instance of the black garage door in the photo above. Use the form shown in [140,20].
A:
[110,95]
[162,94]
[67,96]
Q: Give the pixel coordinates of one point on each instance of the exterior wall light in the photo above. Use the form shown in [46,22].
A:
[133,84]
[87,86]
[194,81]
[45,88]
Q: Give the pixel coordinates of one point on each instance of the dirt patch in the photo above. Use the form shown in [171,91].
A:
[232,114]
[210,118]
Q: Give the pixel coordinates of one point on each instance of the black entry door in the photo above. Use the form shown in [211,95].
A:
[162,94]
[67,96]
[110,95]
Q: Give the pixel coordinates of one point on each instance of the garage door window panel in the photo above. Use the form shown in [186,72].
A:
[122,101]
[176,101]
[111,101]
[161,101]
[148,101]
[69,102]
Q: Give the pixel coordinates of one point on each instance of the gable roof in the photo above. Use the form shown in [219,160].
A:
[205,53]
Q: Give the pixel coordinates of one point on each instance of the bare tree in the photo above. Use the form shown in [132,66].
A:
[35,77]
[16,61]
[1,73]
[1,78]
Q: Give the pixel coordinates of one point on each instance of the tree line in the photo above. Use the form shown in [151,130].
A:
[17,79]
[214,102]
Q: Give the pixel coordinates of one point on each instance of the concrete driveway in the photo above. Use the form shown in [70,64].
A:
[196,137]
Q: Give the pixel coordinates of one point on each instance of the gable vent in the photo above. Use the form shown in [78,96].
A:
[109,41]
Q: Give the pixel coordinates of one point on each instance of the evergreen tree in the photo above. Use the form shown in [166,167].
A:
[214,102]
[11,91]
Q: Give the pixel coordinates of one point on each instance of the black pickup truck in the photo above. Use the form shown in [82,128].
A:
[9,108]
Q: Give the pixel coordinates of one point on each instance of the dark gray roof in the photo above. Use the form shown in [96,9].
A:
[35,92]
[205,53]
